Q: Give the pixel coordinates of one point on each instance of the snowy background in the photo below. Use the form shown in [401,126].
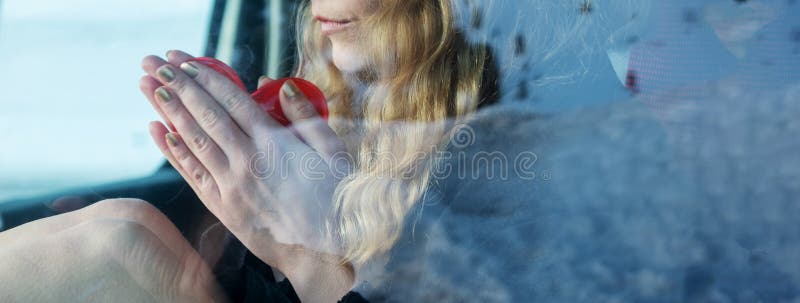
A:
[681,188]
[71,113]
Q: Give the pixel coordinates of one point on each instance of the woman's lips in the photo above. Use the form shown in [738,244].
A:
[332,26]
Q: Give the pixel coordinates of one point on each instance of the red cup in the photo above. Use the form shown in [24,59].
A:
[268,95]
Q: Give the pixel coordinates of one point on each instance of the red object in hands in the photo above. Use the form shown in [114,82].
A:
[268,95]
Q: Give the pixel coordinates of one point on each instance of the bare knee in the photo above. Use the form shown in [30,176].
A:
[127,208]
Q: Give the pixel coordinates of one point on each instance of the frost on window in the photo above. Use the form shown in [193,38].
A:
[662,141]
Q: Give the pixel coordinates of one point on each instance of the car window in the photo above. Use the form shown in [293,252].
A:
[661,138]
[637,150]
[72,114]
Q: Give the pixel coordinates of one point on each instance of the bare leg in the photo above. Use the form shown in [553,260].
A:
[121,249]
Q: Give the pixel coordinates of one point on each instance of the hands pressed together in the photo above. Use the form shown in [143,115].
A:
[270,185]
[244,166]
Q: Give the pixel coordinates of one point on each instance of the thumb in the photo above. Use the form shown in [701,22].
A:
[264,80]
[308,124]
[295,105]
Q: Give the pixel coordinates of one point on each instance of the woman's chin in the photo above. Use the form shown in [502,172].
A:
[347,60]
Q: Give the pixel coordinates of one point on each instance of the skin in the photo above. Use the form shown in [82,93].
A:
[222,139]
[347,52]
[126,249]
[121,250]
[217,130]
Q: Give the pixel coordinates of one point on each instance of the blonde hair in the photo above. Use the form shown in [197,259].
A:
[423,76]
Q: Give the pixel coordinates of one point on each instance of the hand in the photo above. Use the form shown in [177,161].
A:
[268,184]
[115,250]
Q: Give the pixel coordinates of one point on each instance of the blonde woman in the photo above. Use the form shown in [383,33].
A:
[396,75]
[314,201]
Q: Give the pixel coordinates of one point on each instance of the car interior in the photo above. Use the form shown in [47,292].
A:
[663,157]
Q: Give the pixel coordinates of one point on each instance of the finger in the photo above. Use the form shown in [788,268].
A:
[148,86]
[203,110]
[238,104]
[176,57]
[203,181]
[263,80]
[307,122]
[158,132]
[202,144]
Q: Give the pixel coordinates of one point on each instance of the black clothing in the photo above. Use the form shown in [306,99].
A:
[246,279]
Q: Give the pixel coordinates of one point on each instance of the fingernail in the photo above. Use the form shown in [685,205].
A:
[262,80]
[166,73]
[163,94]
[190,69]
[169,52]
[290,89]
[172,140]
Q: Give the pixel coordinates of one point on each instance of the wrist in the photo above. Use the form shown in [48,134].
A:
[306,266]
[319,277]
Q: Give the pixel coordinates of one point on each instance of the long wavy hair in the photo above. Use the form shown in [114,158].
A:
[422,77]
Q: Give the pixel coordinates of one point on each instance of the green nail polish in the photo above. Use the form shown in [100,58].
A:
[163,94]
[166,73]
[190,69]
[290,89]
[172,140]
